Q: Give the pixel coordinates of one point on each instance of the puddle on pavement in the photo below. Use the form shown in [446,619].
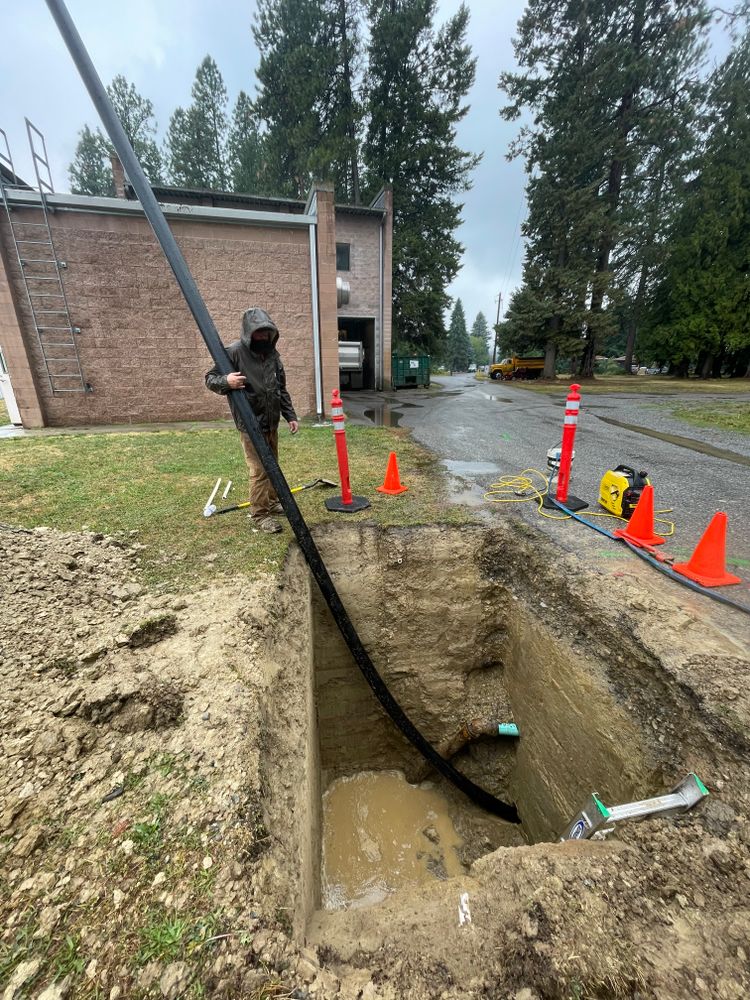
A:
[682,442]
[383,416]
[470,468]
[381,834]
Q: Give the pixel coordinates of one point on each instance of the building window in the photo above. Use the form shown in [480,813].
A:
[342,256]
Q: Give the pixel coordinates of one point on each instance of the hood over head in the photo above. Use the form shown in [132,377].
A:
[258,319]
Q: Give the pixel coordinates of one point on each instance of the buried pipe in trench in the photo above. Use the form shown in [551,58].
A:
[216,349]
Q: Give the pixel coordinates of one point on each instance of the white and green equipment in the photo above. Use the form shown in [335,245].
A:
[594,816]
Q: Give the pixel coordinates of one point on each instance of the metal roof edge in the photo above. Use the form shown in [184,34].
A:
[121,206]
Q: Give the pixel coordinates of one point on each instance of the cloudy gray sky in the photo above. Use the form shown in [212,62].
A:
[158,44]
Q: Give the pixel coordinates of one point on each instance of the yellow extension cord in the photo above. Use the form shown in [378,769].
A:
[522,488]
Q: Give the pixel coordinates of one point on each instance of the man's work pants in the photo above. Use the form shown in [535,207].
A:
[262,494]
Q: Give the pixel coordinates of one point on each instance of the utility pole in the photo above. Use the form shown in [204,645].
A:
[497,327]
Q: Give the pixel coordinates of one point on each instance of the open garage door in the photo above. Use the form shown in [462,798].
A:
[362,331]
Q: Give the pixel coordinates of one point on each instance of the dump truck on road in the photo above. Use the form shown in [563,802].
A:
[510,368]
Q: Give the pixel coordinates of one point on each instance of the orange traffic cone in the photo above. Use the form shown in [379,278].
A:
[392,484]
[707,563]
[640,529]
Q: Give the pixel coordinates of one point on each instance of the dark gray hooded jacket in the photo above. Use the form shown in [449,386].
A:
[265,385]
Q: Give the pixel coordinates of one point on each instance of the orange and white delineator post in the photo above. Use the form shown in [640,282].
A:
[346,503]
[570,423]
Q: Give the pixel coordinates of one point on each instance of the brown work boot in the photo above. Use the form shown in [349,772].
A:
[268,524]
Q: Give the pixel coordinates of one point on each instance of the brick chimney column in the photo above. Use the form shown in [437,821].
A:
[118,172]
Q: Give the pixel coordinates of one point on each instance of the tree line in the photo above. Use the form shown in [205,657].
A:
[638,192]
[359,92]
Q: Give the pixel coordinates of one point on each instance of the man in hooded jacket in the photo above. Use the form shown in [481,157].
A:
[260,373]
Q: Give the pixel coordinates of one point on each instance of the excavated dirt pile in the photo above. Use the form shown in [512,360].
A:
[166,758]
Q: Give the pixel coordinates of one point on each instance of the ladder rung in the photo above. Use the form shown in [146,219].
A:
[46,295]
[38,260]
[67,361]
[37,243]
[60,375]
[50,312]
[56,389]
[38,277]
[59,344]
[53,328]
[40,225]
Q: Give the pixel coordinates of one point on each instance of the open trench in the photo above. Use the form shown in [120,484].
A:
[457,634]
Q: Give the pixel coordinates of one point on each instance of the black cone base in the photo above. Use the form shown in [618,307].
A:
[572,503]
[337,504]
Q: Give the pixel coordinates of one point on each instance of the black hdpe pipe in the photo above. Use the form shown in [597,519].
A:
[216,349]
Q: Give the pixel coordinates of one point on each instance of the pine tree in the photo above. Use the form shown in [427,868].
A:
[246,149]
[417,80]
[196,137]
[700,311]
[308,77]
[458,347]
[606,81]
[91,170]
[479,340]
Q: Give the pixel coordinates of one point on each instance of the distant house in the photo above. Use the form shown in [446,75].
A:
[103,336]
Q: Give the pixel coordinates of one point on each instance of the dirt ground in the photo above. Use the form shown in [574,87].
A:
[149,809]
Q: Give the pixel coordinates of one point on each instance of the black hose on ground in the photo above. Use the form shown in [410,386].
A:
[213,342]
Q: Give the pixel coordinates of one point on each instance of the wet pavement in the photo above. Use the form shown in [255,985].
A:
[482,432]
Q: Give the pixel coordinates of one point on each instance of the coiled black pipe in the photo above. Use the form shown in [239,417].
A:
[213,342]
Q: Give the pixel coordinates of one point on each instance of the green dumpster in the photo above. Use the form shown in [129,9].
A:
[410,371]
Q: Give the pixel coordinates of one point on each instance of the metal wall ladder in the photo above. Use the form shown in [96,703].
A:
[41,271]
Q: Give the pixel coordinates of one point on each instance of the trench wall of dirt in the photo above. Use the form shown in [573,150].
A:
[425,616]
[575,738]
[290,767]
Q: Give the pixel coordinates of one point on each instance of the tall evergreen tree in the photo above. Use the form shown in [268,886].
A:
[700,310]
[417,80]
[458,347]
[606,81]
[91,170]
[308,77]
[246,149]
[196,137]
[479,340]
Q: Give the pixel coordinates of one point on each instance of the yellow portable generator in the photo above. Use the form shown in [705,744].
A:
[620,490]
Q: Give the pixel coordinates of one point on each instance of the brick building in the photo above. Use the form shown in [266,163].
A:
[120,346]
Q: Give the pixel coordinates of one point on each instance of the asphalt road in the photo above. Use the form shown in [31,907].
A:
[484,430]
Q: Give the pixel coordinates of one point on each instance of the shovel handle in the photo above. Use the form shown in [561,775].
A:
[236,506]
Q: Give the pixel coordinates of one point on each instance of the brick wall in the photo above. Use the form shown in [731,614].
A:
[15,352]
[139,346]
[362,233]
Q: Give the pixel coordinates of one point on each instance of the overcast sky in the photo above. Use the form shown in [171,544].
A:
[158,44]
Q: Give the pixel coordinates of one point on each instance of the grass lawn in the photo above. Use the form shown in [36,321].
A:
[728,415]
[660,385]
[4,418]
[157,484]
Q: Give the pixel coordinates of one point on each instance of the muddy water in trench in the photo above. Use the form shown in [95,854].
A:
[381,834]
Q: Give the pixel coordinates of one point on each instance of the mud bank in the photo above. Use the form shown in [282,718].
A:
[166,757]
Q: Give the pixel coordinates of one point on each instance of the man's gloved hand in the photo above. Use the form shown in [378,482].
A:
[236,380]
